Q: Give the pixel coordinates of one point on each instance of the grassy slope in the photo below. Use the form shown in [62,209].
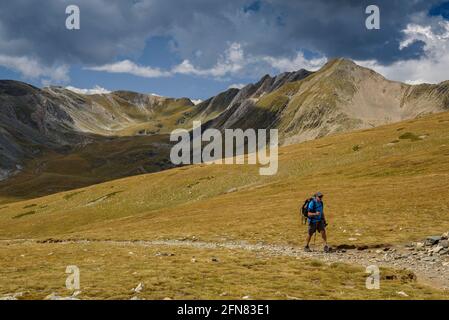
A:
[386,188]
[110,272]
[104,160]
[390,190]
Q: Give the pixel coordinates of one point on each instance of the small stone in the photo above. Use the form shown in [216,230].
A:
[402,293]
[352,239]
[12,296]
[167,298]
[193,260]
[214,260]
[437,249]
[223,294]
[419,245]
[76,293]
[246,298]
[444,243]
[139,288]
[432,240]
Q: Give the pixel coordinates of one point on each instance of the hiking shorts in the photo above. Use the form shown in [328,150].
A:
[314,226]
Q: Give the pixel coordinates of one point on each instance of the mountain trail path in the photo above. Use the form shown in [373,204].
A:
[433,271]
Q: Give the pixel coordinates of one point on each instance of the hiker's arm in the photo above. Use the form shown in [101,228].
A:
[313,214]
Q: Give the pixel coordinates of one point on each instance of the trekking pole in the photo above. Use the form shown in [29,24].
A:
[314,238]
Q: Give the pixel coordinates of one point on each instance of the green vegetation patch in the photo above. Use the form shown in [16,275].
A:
[410,136]
[21,215]
[71,195]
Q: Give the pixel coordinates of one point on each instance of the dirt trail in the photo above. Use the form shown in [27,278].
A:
[434,273]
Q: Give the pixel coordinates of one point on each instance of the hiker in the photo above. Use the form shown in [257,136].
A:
[316,220]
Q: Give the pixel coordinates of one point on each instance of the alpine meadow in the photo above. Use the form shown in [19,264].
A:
[264,169]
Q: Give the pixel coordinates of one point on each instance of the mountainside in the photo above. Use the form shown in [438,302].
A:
[167,230]
[34,121]
[339,97]
[303,105]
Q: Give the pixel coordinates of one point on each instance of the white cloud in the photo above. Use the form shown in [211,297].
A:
[431,68]
[127,66]
[31,69]
[231,63]
[298,62]
[96,90]
[237,86]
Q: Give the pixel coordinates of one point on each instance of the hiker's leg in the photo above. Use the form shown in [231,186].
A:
[309,237]
[310,231]
[324,235]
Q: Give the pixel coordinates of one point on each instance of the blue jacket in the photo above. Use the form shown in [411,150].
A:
[316,206]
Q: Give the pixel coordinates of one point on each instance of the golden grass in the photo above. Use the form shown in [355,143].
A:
[379,192]
[387,193]
[111,271]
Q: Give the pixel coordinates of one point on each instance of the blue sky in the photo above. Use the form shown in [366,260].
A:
[198,48]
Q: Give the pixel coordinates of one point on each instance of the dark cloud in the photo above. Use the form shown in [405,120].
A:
[202,29]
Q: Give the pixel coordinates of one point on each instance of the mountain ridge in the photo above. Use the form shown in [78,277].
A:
[302,105]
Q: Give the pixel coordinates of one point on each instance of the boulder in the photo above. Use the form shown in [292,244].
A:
[432,240]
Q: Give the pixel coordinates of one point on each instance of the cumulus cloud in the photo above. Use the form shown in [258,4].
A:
[237,86]
[298,62]
[273,34]
[127,66]
[31,69]
[432,67]
[96,90]
[233,62]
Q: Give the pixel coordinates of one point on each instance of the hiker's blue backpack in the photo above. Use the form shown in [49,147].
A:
[305,210]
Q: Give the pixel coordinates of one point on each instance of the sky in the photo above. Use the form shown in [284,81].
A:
[197,48]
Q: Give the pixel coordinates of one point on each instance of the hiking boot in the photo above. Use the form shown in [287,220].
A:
[327,248]
[307,249]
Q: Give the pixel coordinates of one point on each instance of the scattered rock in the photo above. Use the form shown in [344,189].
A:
[402,293]
[437,249]
[54,296]
[214,260]
[444,243]
[139,288]
[13,296]
[76,293]
[167,298]
[246,297]
[432,240]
